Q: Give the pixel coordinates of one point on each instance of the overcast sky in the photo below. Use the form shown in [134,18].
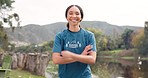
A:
[117,12]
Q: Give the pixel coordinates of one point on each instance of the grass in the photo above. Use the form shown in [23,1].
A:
[128,58]
[19,73]
[23,74]
[120,53]
[52,69]
[110,53]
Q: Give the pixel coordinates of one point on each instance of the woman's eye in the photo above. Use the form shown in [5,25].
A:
[77,13]
[70,13]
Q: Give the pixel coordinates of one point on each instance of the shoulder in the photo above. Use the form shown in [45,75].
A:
[61,33]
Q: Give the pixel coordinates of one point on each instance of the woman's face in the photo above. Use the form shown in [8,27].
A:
[74,16]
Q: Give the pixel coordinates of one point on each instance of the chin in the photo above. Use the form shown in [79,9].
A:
[73,23]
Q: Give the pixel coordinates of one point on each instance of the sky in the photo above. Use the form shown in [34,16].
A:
[116,12]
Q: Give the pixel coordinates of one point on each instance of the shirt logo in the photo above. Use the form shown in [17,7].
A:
[73,44]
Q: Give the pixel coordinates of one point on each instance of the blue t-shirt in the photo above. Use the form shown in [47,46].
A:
[74,42]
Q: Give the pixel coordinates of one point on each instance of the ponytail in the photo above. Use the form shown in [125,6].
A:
[67,25]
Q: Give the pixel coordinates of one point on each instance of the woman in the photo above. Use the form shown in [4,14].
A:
[74,48]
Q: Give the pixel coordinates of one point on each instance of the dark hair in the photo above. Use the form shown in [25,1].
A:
[81,11]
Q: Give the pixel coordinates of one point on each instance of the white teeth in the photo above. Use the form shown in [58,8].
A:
[74,20]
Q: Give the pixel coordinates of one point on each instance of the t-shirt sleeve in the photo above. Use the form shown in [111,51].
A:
[57,47]
[92,42]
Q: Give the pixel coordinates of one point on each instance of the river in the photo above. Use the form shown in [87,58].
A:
[119,68]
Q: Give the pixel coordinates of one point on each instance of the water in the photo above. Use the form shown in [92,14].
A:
[120,68]
[116,68]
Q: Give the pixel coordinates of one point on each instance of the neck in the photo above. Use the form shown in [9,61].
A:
[75,28]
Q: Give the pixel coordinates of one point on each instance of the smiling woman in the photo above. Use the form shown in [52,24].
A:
[74,48]
[74,15]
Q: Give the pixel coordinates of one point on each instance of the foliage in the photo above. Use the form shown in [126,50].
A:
[3,40]
[52,69]
[51,44]
[6,18]
[101,71]
[29,48]
[5,14]
[110,44]
[46,46]
[104,42]
[126,36]
[110,53]
[137,38]
[1,50]
[144,41]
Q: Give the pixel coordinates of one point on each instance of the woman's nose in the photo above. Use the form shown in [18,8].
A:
[74,15]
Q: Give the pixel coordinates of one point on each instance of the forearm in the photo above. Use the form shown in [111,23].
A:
[62,60]
[58,59]
[84,57]
[89,59]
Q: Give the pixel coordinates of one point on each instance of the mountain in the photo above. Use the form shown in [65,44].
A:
[36,34]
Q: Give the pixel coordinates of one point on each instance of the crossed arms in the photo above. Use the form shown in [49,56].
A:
[65,57]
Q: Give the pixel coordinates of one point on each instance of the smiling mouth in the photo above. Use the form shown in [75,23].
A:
[74,20]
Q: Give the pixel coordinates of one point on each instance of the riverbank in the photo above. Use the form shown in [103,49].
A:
[123,54]
[52,68]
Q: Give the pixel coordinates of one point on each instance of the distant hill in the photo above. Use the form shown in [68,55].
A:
[33,33]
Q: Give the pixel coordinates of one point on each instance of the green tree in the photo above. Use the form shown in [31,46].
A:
[137,38]
[51,44]
[144,43]
[6,18]
[110,44]
[126,36]
[3,39]
[103,43]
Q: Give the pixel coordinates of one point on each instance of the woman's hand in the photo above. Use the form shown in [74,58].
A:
[87,56]
[87,50]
